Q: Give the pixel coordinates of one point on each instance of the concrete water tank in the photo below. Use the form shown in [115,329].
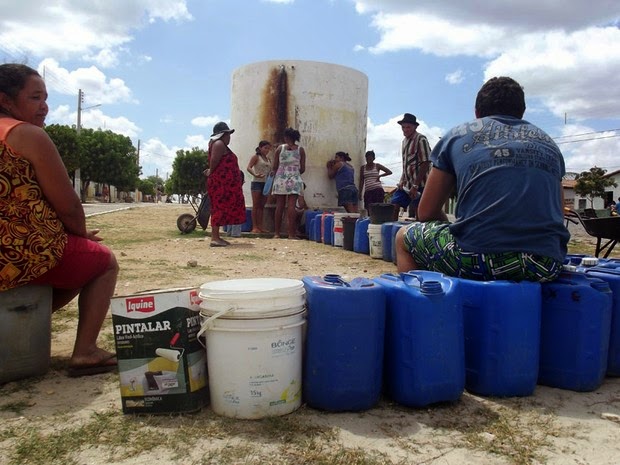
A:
[326,103]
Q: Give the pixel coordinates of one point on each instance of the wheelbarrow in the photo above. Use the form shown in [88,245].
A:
[186,222]
[606,230]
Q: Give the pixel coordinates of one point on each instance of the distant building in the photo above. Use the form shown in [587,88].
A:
[576,202]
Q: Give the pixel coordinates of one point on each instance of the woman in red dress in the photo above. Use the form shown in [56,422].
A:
[224,185]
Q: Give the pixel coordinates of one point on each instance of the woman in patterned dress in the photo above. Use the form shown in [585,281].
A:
[224,185]
[288,165]
[42,222]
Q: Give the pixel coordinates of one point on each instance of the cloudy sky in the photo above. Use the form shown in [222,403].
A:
[159,71]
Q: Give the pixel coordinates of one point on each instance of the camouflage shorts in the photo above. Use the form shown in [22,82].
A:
[433,248]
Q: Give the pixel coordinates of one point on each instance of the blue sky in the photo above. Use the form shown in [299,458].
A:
[160,70]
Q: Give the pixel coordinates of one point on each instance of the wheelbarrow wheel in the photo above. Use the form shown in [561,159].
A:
[186,223]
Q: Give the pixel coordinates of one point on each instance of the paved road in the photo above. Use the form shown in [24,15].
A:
[92,209]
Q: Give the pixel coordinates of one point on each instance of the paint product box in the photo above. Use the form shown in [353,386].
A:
[162,364]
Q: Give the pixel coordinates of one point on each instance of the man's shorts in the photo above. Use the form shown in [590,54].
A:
[402,198]
[347,195]
[433,248]
[81,262]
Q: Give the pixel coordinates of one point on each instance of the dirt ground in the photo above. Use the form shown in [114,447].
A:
[56,419]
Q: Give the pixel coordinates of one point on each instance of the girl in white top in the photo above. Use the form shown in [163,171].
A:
[259,167]
[370,180]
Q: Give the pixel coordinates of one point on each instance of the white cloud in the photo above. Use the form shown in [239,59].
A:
[205,121]
[533,14]
[438,36]
[79,28]
[156,158]
[93,119]
[201,141]
[97,88]
[106,58]
[567,57]
[455,77]
[572,73]
[583,148]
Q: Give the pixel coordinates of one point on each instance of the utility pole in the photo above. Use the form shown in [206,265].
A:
[77,181]
[77,185]
[137,194]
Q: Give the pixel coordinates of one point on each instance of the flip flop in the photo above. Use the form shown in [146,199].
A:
[102,366]
[218,244]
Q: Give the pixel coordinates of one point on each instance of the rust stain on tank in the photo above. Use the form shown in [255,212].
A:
[274,104]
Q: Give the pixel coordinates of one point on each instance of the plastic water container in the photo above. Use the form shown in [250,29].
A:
[339,227]
[343,365]
[25,332]
[254,330]
[361,243]
[375,241]
[348,232]
[574,259]
[502,336]
[247,226]
[575,331]
[387,238]
[424,348]
[610,273]
[381,212]
[309,221]
[318,225]
[311,225]
[327,228]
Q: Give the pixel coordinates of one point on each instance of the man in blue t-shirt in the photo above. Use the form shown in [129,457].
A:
[507,177]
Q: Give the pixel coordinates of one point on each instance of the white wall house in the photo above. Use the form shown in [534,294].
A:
[576,202]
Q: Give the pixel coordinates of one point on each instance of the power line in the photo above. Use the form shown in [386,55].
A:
[585,134]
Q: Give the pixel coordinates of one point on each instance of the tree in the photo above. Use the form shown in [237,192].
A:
[108,158]
[151,185]
[188,172]
[66,140]
[592,184]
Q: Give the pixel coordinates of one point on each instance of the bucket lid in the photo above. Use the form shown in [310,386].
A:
[589,261]
[252,298]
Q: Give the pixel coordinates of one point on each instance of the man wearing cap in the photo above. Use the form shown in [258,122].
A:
[415,152]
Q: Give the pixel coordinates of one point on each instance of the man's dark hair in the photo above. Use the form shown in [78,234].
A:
[500,96]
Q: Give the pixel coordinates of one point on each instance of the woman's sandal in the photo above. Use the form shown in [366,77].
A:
[105,365]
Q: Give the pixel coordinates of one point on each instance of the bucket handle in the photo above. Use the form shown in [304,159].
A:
[208,323]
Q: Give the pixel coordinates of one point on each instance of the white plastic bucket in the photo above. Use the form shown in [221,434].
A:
[374,240]
[339,228]
[254,331]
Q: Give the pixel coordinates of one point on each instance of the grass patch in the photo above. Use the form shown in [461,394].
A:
[520,436]
[280,440]
[16,407]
